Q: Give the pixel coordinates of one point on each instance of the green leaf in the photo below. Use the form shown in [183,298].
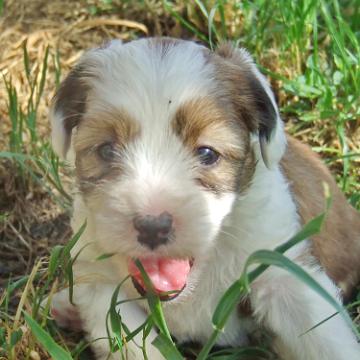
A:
[56,352]
[211,27]
[2,337]
[227,304]
[54,259]
[268,257]
[154,302]
[202,8]
[43,77]
[15,337]
[19,283]
[67,262]
[245,352]
[319,323]
[73,240]
[26,61]
[146,326]
[313,227]
[223,19]
[105,256]
[167,348]
[169,7]
[15,156]
[115,319]
[70,278]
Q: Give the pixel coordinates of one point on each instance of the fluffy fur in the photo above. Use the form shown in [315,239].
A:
[156,101]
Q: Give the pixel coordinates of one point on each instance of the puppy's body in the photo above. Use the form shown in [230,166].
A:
[159,103]
[342,226]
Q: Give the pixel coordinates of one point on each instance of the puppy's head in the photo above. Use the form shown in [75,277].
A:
[164,135]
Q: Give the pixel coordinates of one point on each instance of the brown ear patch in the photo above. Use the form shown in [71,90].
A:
[70,100]
[203,122]
[235,75]
[112,126]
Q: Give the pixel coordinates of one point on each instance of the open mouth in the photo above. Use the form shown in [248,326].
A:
[168,275]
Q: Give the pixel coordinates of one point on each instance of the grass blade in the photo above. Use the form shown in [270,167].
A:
[42,78]
[185,23]
[115,319]
[54,260]
[167,348]
[74,239]
[268,257]
[56,352]
[154,302]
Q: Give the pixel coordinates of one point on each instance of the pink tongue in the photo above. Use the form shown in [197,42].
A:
[166,274]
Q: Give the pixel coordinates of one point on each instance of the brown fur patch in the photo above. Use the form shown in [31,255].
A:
[70,100]
[203,122]
[112,126]
[239,84]
[244,308]
[337,247]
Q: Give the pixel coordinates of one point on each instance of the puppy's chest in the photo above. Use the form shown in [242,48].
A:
[192,321]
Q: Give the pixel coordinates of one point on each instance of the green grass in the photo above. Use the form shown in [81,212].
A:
[310,50]
[31,155]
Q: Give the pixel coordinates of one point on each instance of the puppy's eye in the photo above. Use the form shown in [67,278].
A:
[207,155]
[106,151]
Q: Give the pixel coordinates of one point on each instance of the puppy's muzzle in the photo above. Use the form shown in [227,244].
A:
[154,230]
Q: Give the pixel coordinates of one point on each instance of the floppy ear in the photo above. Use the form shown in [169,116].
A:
[69,103]
[67,109]
[255,104]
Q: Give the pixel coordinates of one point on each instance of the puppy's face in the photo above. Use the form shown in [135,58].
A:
[165,136]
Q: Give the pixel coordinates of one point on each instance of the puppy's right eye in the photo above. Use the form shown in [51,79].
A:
[207,155]
[106,152]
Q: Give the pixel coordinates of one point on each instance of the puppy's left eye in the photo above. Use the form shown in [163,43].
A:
[207,155]
[106,151]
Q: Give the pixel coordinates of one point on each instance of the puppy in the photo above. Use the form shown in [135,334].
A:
[182,161]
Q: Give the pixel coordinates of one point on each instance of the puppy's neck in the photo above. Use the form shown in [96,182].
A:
[265,216]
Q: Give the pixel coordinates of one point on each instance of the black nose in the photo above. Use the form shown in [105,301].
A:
[154,230]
